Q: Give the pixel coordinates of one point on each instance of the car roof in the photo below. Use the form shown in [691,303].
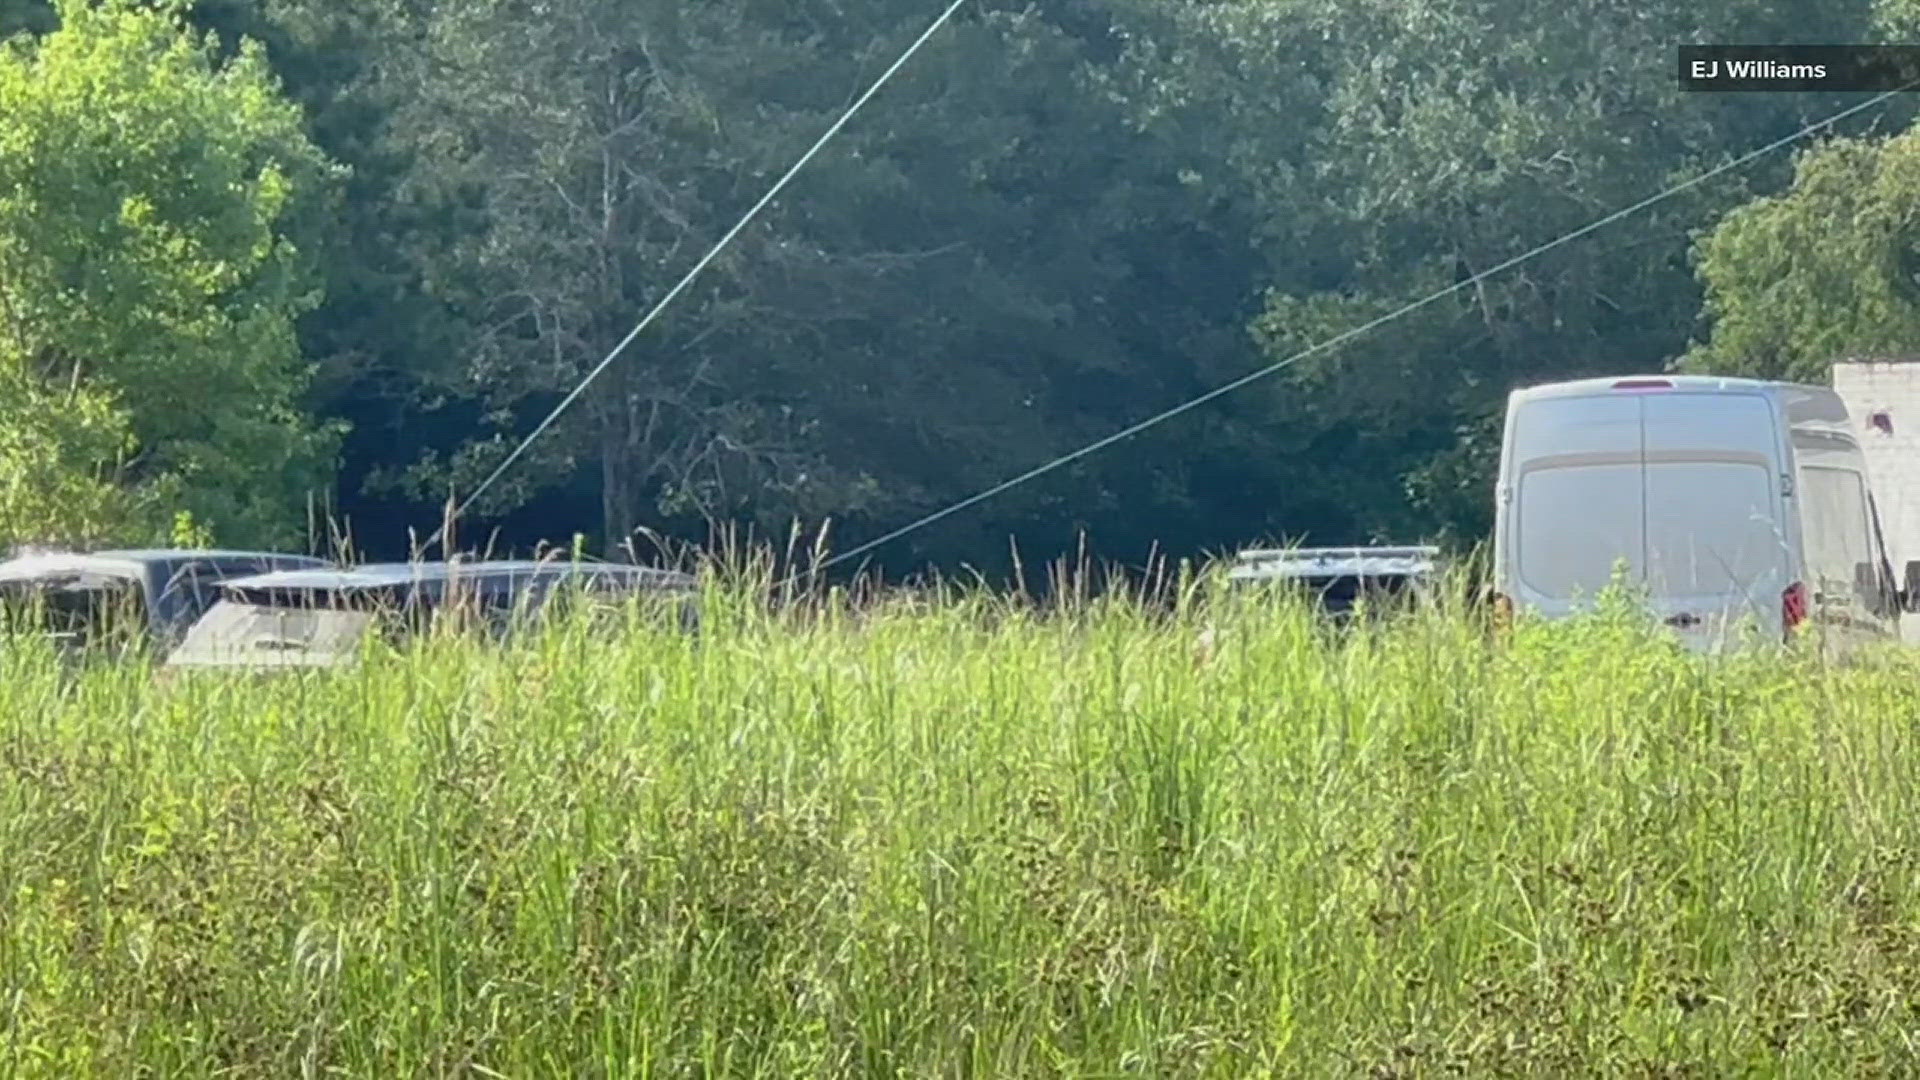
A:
[388,575]
[134,561]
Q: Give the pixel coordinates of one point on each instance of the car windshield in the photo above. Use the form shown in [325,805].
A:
[74,609]
[304,628]
[280,626]
[1344,593]
[1340,595]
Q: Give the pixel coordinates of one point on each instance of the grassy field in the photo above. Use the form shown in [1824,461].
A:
[957,837]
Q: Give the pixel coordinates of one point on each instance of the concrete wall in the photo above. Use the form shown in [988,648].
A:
[1892,390]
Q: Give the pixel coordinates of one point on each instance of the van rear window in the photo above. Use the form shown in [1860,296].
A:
[1712,530]
[1576,522]
[1576,425]
[1723,424]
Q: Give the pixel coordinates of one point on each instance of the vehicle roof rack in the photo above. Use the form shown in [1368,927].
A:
[1365,562]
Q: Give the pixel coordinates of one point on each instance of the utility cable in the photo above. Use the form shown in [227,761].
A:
[1349,335]
[747,219]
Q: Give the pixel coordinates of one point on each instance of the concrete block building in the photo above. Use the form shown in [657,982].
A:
[1883,400]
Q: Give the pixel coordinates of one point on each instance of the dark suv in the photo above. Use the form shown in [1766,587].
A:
[137,597]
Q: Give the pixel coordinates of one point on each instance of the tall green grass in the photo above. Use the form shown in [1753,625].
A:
[947,835]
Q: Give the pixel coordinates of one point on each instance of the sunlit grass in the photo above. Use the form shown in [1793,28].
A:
[947,835]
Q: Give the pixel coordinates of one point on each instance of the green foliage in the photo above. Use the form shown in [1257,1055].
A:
[1399,148]
[1827,270]
[1059,220]
[916,318]
[188,533]
[945,836]
[60,461]
[155,204]
[1056,222]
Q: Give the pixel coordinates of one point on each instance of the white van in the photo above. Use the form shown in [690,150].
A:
[1724,498]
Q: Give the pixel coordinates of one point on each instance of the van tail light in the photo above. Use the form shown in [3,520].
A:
[1643,384]
[1502,613]
[1793,606]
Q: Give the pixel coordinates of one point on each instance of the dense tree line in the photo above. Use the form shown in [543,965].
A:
[258,256]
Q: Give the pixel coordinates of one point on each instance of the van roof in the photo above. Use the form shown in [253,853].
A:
[1692,383]
[1805,406]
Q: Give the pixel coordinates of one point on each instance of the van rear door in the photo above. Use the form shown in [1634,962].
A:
[1848,578]
[1574,500]
[1716,544]
[1681,488]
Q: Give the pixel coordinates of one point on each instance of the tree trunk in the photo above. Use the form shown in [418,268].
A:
[616,505]
[619,474]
